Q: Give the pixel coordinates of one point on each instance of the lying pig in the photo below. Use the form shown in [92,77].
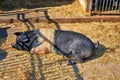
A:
[67,43]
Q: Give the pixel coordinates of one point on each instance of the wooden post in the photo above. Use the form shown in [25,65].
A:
[85,4]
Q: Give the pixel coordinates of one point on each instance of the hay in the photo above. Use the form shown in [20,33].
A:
[57,9]
[103,65]
[53,66]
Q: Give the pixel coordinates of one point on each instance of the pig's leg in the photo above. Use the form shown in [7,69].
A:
[70,61]
[77,58]
[75,61]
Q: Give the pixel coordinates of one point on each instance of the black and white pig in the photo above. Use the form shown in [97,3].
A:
[67,43]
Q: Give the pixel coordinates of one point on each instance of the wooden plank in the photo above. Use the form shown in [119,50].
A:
[67,20]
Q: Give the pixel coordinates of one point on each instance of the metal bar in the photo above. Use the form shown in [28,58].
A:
[90,7]
[106,9]
[113,1]
[96,5]
[110,5]
[119,6]
[100,5]
[116,3]
[103,5]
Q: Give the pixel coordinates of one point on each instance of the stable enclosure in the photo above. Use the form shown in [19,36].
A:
[104,64]
[101,6]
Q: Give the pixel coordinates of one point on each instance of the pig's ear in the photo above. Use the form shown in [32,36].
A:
[18,33]
[14,45]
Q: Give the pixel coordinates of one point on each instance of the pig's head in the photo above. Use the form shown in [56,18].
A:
[20,41]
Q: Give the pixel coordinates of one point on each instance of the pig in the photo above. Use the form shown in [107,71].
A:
[63,42]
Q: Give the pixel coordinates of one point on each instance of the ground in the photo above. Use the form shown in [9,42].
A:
[104,64]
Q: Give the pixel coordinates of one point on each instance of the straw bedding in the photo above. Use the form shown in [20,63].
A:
[104,64]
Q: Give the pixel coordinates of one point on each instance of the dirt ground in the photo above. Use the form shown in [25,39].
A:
[104,64]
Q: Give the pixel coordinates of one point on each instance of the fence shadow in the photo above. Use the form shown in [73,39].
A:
[97,53]
[3,38]
[51,21]
[40,68]
[32,75]
[29,25]
[77,73]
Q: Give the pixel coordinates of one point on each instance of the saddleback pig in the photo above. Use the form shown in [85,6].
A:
[67,43]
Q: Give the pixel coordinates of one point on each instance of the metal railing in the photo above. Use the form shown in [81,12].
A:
[105,7]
